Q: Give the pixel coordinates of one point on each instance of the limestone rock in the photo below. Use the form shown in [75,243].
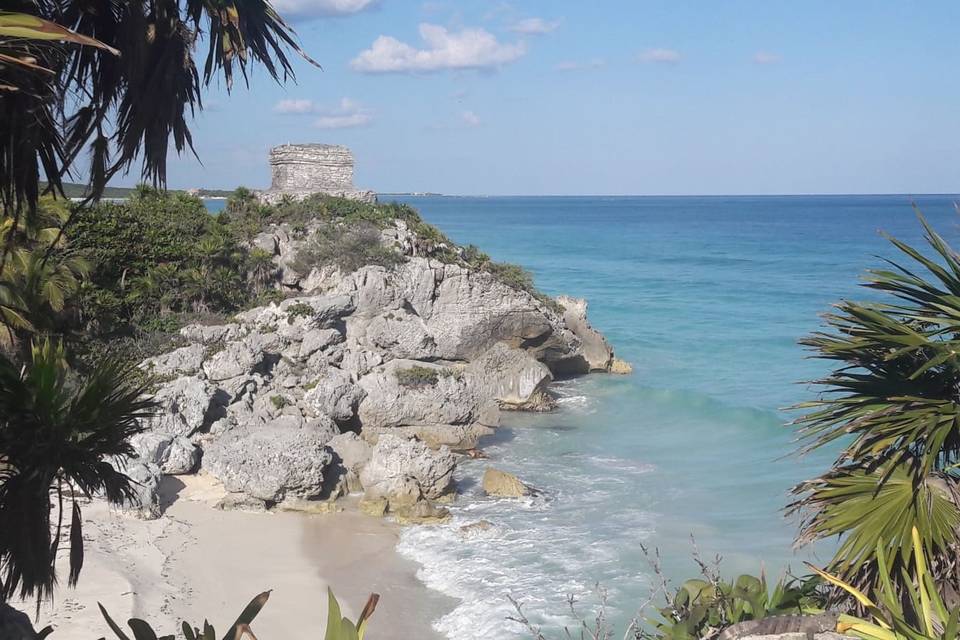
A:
[236,359]
[403,471]
[458,437]
[210,334]
[512,377]
[183,406]
[595,350]
[173,454]
[422,512]
[269,462]
[240,502]
[621,367]
[317,340]
[334,394]
[350,454]
[145,477]
[448,400]
[185,361]
[376,507]
[352,450]
[400,334]
[501,484]
[309,506]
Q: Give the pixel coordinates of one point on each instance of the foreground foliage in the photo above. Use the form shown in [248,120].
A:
[338,626]
[116,81]
[916,611]
[56,435]
[701,608]
[892,404]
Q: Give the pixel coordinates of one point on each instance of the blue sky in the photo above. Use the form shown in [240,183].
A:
[632,97]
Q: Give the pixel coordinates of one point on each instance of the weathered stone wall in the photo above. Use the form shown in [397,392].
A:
[300,170]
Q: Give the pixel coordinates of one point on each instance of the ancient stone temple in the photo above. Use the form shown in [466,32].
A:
[301,170]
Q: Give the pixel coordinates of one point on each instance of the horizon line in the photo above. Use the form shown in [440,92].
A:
[427,194]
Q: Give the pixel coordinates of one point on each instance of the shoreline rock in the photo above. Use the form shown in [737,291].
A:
[500,484]
[364,382]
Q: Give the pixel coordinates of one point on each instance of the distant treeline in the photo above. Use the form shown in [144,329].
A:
[73,190]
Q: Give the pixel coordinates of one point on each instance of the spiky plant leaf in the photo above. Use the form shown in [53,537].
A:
[893,404]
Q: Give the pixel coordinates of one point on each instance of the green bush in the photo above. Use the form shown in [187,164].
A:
[702,607]
[347,246]
[156,255]
[299,310]
[417,376]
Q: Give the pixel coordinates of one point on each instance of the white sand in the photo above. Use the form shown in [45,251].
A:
[197,561]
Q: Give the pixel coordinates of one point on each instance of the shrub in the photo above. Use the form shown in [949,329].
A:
[515,277]
[160,252]
[417,376]
[349,247]
[278,402]
[299,310]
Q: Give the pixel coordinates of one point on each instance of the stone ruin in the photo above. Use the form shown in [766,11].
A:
[302,170]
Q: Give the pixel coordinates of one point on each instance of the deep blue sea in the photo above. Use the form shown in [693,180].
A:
[706,297]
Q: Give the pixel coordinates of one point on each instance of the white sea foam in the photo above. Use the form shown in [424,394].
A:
[540,549]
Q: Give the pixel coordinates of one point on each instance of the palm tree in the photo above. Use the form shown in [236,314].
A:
[261,270]
[57,437]
[45,281]
[893,404]
[156,289]
[127,89]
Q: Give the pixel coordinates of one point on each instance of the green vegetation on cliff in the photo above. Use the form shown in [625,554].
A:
[129,274]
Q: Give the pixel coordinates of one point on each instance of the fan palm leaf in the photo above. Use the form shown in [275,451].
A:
[57,437]
[893,404]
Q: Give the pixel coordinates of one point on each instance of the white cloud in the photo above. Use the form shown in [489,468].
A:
[311,8]
[347,115]
[662,56]
[294,106]
[465,49]
[470,119]
[534,26]
[573,65]
[765,57]
[346,121]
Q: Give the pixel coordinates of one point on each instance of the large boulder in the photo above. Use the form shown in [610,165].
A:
[501,484]
[272,462]
[234,360]
[145,480]
[183,406]
[351,453]
[211,334]
[331,392]
[406,393]
[512,377]
[185,361]
[594,349]
[465,311]
[172,454]
[400,334]
[404,471]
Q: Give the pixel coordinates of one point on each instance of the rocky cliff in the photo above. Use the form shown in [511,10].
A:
[362,380]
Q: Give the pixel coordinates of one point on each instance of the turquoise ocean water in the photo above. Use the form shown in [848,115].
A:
[706,297]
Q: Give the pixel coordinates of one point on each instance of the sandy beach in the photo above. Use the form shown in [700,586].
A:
[198,561]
